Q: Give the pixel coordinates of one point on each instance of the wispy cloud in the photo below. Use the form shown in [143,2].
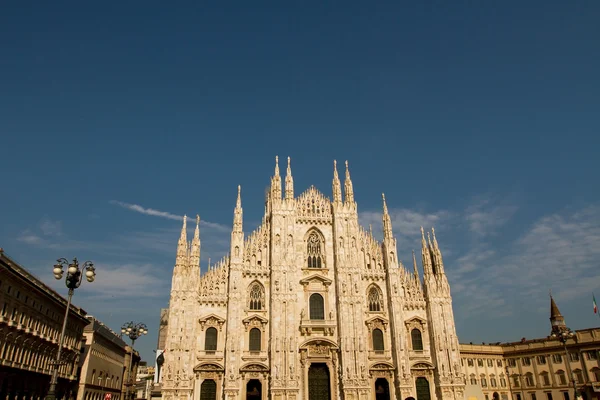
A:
[484,217]
[165,214]
[148,211]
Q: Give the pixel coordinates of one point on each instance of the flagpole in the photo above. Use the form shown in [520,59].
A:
[595,305]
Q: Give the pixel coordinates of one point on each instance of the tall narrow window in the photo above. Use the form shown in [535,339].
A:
[314,253]
[210,339]
[255,337]
[317,306]
[374,299]
[377,340]
[257,296]
[417,339]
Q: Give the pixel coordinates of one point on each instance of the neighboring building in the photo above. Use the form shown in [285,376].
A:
[536,369]
[102,364]
[310,306]
[132,360]
[31,318]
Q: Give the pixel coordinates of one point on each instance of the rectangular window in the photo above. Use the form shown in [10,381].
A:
[470,362]
[574,356]
[533,396]
[512,362]
[562,379]
[541,360]
[565,395]
[483,382]
[557,358]
[526,361]
[592,355]
[518,396]
[548,396]
[499,363]
[502,382]
[579,376]
[479,362]
[516,381]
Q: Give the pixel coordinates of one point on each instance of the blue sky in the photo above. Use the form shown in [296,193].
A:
[479,119]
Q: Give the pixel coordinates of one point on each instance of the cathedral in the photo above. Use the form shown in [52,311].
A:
[310,306]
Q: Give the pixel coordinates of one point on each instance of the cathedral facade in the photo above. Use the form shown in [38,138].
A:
[310,306]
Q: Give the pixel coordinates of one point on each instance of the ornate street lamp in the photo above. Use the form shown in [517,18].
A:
[563,334]
[72,281]
[134,330]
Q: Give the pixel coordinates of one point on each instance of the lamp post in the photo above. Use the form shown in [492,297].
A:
[72,281]
[563,334]
[134,330]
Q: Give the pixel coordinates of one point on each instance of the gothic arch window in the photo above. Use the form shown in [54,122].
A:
[256,296]
[315,250]
[210,339]
[417,340]
[375,299]
[255,339]
[317,306]
[377,340]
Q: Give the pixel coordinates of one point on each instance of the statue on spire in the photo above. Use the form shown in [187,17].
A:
[238,212]
[195,246]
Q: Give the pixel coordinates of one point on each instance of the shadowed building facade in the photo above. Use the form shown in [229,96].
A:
[31,317]
[310,306]
[536,369]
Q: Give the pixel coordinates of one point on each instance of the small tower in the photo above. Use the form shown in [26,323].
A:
[556,319]
[237,233]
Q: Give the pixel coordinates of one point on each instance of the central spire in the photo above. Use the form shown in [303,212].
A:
[289,182]
[336,185]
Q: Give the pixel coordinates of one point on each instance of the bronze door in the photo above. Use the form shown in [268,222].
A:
[318,382]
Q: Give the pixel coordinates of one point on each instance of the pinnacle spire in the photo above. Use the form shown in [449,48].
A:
[182,245]
[337,187]
[416,270]
[426,255]
[238,212]
[289,182]
[276,182]
[387,221]
[348,186]
[195,246]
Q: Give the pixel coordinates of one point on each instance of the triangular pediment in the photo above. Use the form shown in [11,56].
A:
[255,317]
[213,320]
[316,277]
[377,319]
[418,320]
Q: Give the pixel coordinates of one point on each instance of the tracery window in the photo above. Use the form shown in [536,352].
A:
[210,339]
[316,306]
[314,251]
[374,300]
[255,339]
[417,339]
[377,340]
[256,296]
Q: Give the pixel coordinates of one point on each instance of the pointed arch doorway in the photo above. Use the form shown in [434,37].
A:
[318,382]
